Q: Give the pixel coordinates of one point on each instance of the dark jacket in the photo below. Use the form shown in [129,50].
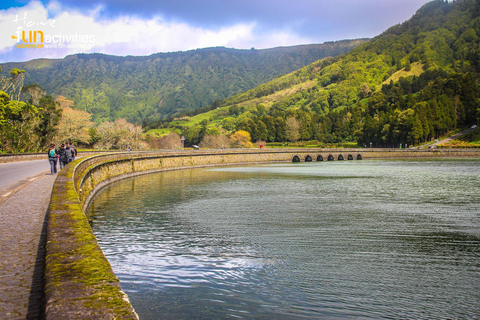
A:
[62,155]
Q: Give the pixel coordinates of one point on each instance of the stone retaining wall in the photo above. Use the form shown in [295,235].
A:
[97,171]
[80,283]
[19,157]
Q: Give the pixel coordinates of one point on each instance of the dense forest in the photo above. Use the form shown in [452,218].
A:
[415,82]
[149,88]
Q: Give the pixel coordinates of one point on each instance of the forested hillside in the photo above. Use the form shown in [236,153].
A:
[413,83]
[149,88]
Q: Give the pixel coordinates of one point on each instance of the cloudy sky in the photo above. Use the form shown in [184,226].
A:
[143,27]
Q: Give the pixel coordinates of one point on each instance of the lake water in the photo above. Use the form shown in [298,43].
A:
[319,240]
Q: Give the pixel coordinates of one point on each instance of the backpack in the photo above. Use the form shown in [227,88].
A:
[51,154]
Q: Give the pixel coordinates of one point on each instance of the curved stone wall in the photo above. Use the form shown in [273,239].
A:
[80,283]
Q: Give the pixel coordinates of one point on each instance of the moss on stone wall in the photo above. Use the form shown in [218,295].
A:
[80,283]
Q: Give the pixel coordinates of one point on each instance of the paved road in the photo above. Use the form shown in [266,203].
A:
[455,136]
[15,175]
[25,189]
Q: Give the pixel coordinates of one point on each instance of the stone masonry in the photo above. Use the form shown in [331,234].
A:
[22,250]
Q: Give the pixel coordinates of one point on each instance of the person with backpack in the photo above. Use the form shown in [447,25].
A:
[70,153]
[74,150]
[62,156]
[52,158]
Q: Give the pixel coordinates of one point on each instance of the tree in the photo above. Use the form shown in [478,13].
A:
[191,135]
[229,123]
[260,132]
[119,135]
[13,85]
[408,66]
[364,91]
[305,126]
[128,135]
[203,129]
[280,129]
[241,139]
[271,130]
[74,126]
[292,132]
[416,134]
[214,141]
[105,132]
[18,124]
[25,127]
[64,102]
[170,141]
[50,116]
[33,93]
[261,109]
[246,124]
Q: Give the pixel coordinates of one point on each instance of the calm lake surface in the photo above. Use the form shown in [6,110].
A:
[319,240]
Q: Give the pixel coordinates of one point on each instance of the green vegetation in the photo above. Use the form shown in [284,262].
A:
[33,125]
[146,89]
[470,140]
[414,83]
[25,126]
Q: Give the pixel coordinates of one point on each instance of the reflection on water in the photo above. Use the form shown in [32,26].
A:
[353,239]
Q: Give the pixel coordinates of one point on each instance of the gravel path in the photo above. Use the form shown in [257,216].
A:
[22,250]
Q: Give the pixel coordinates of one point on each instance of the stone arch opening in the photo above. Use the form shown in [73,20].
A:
[359,157]
[350,157]
[330,158]
[296,159]
[308,158]
[319,158]
[340,157]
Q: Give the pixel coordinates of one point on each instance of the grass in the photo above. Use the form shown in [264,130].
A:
[160,132]
[214,117]
[416,70]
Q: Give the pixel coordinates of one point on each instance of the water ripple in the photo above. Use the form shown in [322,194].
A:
[350,240]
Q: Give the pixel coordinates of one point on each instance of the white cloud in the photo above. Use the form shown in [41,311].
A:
[17,19]
[68,32]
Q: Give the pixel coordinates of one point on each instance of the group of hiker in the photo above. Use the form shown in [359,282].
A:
[64,155]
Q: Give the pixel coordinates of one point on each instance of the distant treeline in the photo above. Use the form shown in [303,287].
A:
[415,82]
[147,89]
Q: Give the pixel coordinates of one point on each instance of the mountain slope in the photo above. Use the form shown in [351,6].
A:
[143,89]
[415,82]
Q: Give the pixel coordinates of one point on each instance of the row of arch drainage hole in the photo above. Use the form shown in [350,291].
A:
[329,158]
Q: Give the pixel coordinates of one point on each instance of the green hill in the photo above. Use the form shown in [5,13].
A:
[415,82]
[149,88]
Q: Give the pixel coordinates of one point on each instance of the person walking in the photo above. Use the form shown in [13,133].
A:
[52,158]
[62,156]
[70,153]
[74,150]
